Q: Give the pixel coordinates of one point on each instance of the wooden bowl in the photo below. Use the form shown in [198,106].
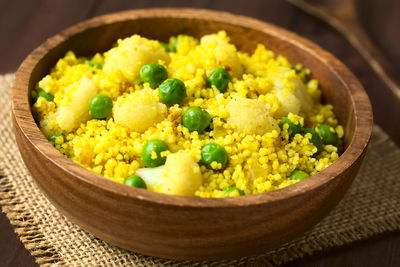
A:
[178,227]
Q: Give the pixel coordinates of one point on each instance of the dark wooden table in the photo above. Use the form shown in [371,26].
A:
[24,24]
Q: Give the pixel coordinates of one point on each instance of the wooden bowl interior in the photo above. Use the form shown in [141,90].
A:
[102,37]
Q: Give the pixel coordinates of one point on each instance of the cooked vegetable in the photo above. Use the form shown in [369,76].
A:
[70,115]
[173,44]
[315,139]
[122,60]
[135,181]
[93,64]
[151,153]
[233,191]
[328,134]
[298,175]
[219,78]
[45,95]
[179,176]
[100,106]
[172,91]
[292,95]
[57,139]
[154,74]
[220,53]
[292,128]
[250,116]
[139,111]
[214,156]
[196,119]
[165,46]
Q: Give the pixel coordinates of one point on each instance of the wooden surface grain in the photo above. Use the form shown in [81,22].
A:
[25,24]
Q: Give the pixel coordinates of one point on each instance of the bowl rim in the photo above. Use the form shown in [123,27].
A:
[23,118]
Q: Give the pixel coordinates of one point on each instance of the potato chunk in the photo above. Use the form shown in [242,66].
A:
[179,176]
[125,60]
[250,116]
[75,111]
[139,111]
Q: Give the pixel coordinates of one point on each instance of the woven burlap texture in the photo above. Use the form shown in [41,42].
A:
[370,207]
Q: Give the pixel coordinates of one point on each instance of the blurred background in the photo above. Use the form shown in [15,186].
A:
[25,24]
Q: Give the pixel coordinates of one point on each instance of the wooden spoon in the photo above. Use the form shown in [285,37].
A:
[342,15]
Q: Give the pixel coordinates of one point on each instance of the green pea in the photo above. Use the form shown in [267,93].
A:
[54,137]
[315,139]
[296,68]
[293,128]
[93,64]
[229,190]
[100,106]
[173,44]
[165,46]
[154,74]
[45,95]
[220,78]
[172,91]
[211,126]
[328,134]
[213,152]
[135,181]
[298,175]
[157,146]
[196,119]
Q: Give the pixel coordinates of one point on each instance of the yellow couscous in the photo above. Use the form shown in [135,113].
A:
[264,123]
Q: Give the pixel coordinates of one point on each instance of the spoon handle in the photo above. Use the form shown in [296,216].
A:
[348,25]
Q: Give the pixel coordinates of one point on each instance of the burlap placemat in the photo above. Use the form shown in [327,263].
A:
[370,207]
